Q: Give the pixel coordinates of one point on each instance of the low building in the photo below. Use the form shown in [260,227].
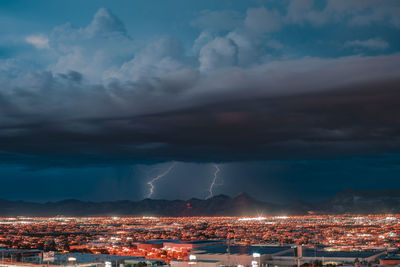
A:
[260,256]
[390,260]
[238,255]
[33,258]
[20,255]
[321,256]
[142,262]
[197,263]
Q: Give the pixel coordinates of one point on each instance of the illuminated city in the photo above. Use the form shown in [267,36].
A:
[168,239]
[199,133]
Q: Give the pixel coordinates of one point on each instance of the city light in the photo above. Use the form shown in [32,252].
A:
[192,257]
[130,235]
[252,219]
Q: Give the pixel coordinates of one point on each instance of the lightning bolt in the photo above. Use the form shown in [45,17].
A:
[158,177]
[214,181]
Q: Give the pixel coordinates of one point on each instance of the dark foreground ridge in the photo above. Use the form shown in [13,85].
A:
[347,201]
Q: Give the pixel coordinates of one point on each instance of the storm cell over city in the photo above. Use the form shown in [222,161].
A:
[180,99]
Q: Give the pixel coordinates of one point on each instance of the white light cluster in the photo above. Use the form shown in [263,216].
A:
[252,219]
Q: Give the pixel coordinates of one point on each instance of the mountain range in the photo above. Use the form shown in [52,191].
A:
[347,201]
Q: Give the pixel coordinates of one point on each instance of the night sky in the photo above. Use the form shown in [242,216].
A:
[289,100]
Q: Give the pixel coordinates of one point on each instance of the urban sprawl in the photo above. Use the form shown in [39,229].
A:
[312,240]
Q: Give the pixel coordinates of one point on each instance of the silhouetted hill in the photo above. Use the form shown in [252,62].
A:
[362,202]
[347,201]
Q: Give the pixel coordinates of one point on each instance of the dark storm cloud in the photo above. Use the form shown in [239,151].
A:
[96,96]
[304,118]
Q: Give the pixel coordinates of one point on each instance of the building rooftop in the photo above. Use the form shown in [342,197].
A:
[208,261]
[334,254]
[222,249]
[88,258]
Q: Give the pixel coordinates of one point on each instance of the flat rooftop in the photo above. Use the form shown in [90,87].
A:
[334,254]
[249,250]
[89,258]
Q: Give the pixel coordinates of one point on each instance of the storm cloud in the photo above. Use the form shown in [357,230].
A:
[96,95]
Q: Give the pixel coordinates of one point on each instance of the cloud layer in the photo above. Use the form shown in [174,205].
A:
[97,95]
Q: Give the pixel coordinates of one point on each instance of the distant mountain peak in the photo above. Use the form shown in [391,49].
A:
[220,196]
[244,196]
[347,201]
[347,192]
[194,199]
[68,201]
